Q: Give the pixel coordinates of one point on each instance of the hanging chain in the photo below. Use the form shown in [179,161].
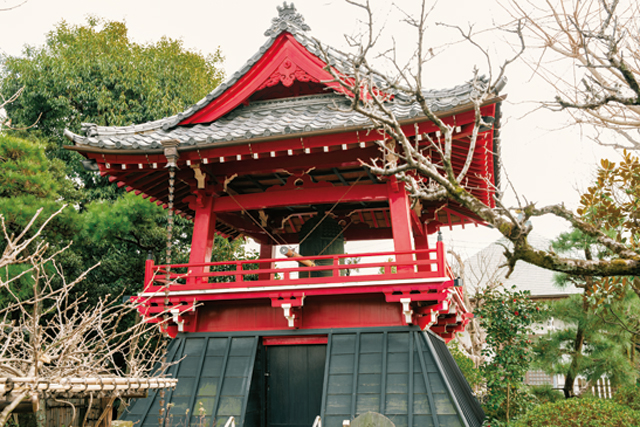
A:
[172,183]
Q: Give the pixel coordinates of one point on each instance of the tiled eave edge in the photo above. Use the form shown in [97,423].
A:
[84,148]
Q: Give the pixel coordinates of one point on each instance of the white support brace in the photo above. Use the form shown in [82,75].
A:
[433,318]
[289,315]
[406,310]
[445,304]
[177,315]
[177,319]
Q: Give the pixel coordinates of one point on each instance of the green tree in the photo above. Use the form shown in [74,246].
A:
[580,412]
[595,341]
[466,365]
[611,204]
[508,317]
[587,345]
[95,73]
[29,181]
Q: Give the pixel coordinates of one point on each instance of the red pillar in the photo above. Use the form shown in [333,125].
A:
[266,251]
[421,242]
[400,222]
[204,229]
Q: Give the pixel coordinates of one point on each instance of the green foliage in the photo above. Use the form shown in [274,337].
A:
[507,316]
[612,202]
[628,396]
[94,73]
[466,365]
[607,347]
[580,413]
[598,337]
[612,205]
[30,181]
[546,393]
[128,219]
[120,234]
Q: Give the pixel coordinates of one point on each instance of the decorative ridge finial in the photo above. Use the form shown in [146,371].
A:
[287,20]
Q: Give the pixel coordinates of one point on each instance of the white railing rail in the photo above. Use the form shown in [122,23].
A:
[317,422]
[231,422]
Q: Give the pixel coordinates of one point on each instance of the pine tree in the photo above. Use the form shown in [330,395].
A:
[593,343]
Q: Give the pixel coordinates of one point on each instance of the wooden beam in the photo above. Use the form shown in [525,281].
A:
[300,197]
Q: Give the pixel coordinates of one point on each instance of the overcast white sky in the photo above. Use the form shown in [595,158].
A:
[545,164]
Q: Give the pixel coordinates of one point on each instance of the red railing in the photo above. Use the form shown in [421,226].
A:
[371,267]
[420,280]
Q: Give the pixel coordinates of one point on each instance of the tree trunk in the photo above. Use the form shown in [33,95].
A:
[508,402]
[570,378]
[41,413]
[4,415]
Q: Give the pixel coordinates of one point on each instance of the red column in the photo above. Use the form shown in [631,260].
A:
[204,229]
[400,222]
[266,251]
[421,242]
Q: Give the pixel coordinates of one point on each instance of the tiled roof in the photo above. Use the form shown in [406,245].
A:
[263,118]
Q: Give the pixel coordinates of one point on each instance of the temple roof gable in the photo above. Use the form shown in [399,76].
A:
[233,112]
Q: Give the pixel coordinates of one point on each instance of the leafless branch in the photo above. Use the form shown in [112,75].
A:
[4,9]
[50,337]
[424,162]
[599,39]
[6,122]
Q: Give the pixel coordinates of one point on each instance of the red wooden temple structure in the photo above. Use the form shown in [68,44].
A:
[272,154]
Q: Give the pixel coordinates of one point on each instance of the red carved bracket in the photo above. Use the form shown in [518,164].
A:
[287,73]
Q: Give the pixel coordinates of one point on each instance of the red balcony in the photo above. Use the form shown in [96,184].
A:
[420,280]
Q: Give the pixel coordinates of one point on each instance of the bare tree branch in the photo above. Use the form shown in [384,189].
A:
[4,9]
[50,344]
[599,39]
[424,162]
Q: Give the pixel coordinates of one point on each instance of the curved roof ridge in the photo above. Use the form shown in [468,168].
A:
[146,134]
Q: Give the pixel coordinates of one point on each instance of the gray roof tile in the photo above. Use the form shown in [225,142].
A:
[263,118]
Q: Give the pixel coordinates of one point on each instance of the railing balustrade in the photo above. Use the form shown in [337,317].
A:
[374,267]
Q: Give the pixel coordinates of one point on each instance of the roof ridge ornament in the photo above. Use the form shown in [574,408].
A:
[287,20]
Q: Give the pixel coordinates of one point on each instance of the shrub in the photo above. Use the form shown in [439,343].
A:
[580,413]
[628,396]
[508,317]
[546,393]
[466,365]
